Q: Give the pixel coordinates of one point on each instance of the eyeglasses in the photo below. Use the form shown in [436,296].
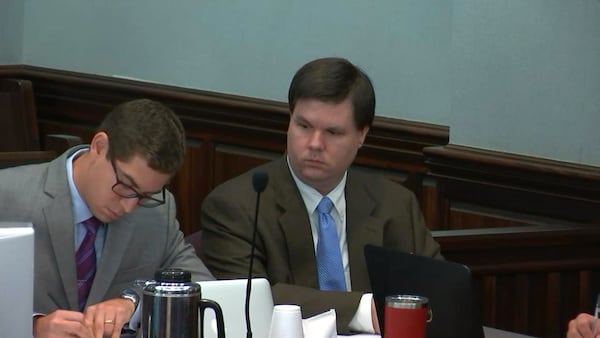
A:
[126,191]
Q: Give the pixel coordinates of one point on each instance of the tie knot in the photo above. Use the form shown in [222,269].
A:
[92,224]
[325,205]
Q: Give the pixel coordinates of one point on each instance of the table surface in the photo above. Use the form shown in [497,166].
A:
[489,332]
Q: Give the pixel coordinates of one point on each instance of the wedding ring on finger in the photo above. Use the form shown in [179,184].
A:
[108,321]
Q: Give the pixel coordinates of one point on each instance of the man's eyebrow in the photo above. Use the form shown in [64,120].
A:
[301,119]
[133,184]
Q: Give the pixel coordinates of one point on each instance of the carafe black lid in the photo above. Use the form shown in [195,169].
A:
[173,275]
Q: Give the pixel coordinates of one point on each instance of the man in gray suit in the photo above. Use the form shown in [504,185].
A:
[82,272]
[332,105]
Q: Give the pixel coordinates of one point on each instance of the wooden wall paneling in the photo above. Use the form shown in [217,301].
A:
[552,305]
[530,303]
[401,165]
[506,302]
[587,286]
[231,161]
[486,188]
[16,158]
[86,132]
[521,299]
[486,284]
[410,136]
[530,279]
[188,186]
[430,201]
[537,290]
[507,169]
[469,216]
[18,117]
[508,201]
[82,98]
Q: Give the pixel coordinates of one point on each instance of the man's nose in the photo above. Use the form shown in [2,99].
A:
[129,204]
[316,140]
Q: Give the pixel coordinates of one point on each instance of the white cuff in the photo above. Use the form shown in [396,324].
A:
[362,320]
[134,321]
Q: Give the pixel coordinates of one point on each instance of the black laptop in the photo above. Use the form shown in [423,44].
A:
[447,285]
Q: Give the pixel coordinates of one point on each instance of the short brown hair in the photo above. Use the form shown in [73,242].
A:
[146,128]
[333,80]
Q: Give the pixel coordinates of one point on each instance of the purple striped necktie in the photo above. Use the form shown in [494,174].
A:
[85,258]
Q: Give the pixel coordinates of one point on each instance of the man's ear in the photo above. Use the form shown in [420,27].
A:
[99,144]
[363,135]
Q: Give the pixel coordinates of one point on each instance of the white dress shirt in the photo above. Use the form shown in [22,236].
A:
[362,318]
[81,212]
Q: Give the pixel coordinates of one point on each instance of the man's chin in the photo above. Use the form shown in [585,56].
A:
[314,178]
[110,216]
[311,174]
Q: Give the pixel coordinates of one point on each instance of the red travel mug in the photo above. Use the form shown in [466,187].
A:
[405,316]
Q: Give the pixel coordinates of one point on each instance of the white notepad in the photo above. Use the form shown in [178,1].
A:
[16,279]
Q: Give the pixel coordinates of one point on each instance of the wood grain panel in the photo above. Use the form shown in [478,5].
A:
[189,188]
[231,161]
[481,188]
[530,279]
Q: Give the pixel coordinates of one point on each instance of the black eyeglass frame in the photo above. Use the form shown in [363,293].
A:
[144,200]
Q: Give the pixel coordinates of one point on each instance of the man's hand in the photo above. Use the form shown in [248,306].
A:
[61,323]
[584,326]
[106,319]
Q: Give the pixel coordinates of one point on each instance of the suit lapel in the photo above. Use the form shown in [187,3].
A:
[361,228]
[118,235]
[61,233]
[59,222]
[295,228]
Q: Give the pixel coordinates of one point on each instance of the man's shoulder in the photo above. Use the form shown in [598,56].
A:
[30,173]
[23,187]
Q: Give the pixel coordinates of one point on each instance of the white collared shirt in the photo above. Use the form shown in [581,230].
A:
[311,197]
[81,212]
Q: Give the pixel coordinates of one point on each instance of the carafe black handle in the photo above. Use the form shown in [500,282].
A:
[203,304]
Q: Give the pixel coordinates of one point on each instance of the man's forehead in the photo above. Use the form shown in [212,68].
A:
[140,176]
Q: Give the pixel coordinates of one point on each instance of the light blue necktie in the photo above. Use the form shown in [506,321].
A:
[329,257]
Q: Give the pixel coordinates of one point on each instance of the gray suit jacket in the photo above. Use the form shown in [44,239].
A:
[378,212]
[135,246]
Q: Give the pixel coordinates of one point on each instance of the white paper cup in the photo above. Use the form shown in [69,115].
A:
[286,322]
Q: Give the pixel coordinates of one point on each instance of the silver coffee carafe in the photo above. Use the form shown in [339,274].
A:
[171,305]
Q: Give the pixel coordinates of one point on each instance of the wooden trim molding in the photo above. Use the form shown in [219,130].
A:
[527,172]
[484,188]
